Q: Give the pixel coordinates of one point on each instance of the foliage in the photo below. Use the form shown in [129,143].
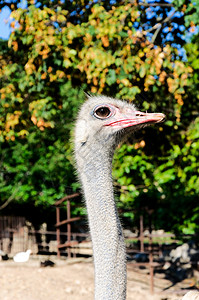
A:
[162,186]
[130,50]
[37,168]
[106,52]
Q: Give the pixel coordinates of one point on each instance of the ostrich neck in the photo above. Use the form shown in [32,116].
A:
[106,232]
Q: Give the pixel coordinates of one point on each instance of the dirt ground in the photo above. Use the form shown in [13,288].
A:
[68,280]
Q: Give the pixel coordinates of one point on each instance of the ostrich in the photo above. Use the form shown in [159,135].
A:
[102,123]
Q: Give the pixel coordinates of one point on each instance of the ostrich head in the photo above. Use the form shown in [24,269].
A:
[106,120]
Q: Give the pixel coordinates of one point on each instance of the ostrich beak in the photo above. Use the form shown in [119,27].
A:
[136,118]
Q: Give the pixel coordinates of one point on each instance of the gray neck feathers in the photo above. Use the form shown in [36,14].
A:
[94,163]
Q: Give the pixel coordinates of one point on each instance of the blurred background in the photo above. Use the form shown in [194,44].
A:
[146,52]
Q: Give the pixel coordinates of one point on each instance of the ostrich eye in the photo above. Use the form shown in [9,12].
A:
[102,112]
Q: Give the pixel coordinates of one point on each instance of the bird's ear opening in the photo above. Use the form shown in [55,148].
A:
[81,132]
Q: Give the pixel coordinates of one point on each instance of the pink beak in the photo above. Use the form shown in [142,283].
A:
[136,118]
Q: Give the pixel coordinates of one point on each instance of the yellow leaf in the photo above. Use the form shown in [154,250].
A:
[29,67]
[61,18]
[12,120]
[50,69]
[105,41]
[93,89]
[162,76]
[15,45]
[125,81]
[23,132]
[179,99]
[43,76]
[12,24]
[60,74]
[140,145]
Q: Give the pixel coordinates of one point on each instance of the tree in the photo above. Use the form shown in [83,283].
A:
[135,51]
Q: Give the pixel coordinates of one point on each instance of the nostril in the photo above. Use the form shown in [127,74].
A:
[139,114]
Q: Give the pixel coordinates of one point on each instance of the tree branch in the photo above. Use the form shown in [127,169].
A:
[151,4]
[11,197]
[160,26]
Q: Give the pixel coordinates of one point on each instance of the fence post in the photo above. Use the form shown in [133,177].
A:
[68,228]
[141,234]
[58,231]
